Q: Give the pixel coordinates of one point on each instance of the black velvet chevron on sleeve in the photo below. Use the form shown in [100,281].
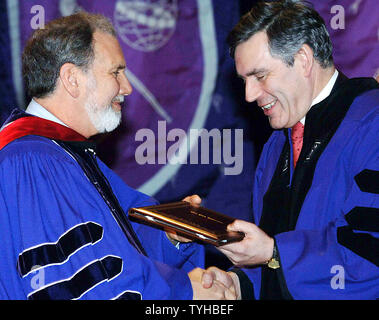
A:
[361,220]
[368,181]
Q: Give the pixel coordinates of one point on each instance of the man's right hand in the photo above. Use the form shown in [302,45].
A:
[215,290]
[229,279]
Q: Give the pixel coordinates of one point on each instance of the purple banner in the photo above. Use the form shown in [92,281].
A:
[354,29]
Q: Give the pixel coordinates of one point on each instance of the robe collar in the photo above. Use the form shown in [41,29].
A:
[20,124]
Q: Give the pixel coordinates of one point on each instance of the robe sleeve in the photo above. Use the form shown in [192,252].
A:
[59,239]
[186,257]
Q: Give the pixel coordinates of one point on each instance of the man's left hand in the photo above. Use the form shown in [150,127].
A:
[255,248]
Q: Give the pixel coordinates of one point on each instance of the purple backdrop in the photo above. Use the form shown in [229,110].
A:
[356,39]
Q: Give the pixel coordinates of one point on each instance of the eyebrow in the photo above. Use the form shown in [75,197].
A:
[119,67]
[253,72]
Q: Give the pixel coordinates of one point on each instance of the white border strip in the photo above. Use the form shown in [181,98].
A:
[132,291]
[56,242]
[79,270]
[209,46]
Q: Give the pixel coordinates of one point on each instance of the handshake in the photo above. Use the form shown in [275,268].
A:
[214,284]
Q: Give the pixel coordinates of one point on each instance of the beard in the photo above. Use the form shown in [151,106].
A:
[104,119]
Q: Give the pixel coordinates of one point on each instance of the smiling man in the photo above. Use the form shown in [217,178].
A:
[108,69]
[65,233]
[274,85]
[315,196]
[91,90]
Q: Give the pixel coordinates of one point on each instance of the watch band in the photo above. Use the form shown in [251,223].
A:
[274,263]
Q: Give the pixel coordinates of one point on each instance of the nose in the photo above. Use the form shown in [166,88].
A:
[125,86]
[253,90]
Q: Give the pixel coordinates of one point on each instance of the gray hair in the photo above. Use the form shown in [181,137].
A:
[288,24]
[64,40]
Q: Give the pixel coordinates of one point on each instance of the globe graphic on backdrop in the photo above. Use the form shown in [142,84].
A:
[145,25]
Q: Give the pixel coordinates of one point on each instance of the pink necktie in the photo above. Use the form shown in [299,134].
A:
[297,133]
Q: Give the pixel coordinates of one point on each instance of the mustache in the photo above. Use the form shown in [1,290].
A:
[119,98]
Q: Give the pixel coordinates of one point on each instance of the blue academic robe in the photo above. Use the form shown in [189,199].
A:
[330,250]
[59,239]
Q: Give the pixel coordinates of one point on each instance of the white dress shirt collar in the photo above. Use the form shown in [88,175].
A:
[325,92]
[35,109]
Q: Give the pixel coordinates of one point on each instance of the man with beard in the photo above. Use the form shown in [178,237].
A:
[64,231]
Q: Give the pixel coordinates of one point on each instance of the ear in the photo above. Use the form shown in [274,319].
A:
[70,78]
[305,59]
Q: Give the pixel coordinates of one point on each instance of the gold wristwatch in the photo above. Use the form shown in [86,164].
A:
[273,263]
